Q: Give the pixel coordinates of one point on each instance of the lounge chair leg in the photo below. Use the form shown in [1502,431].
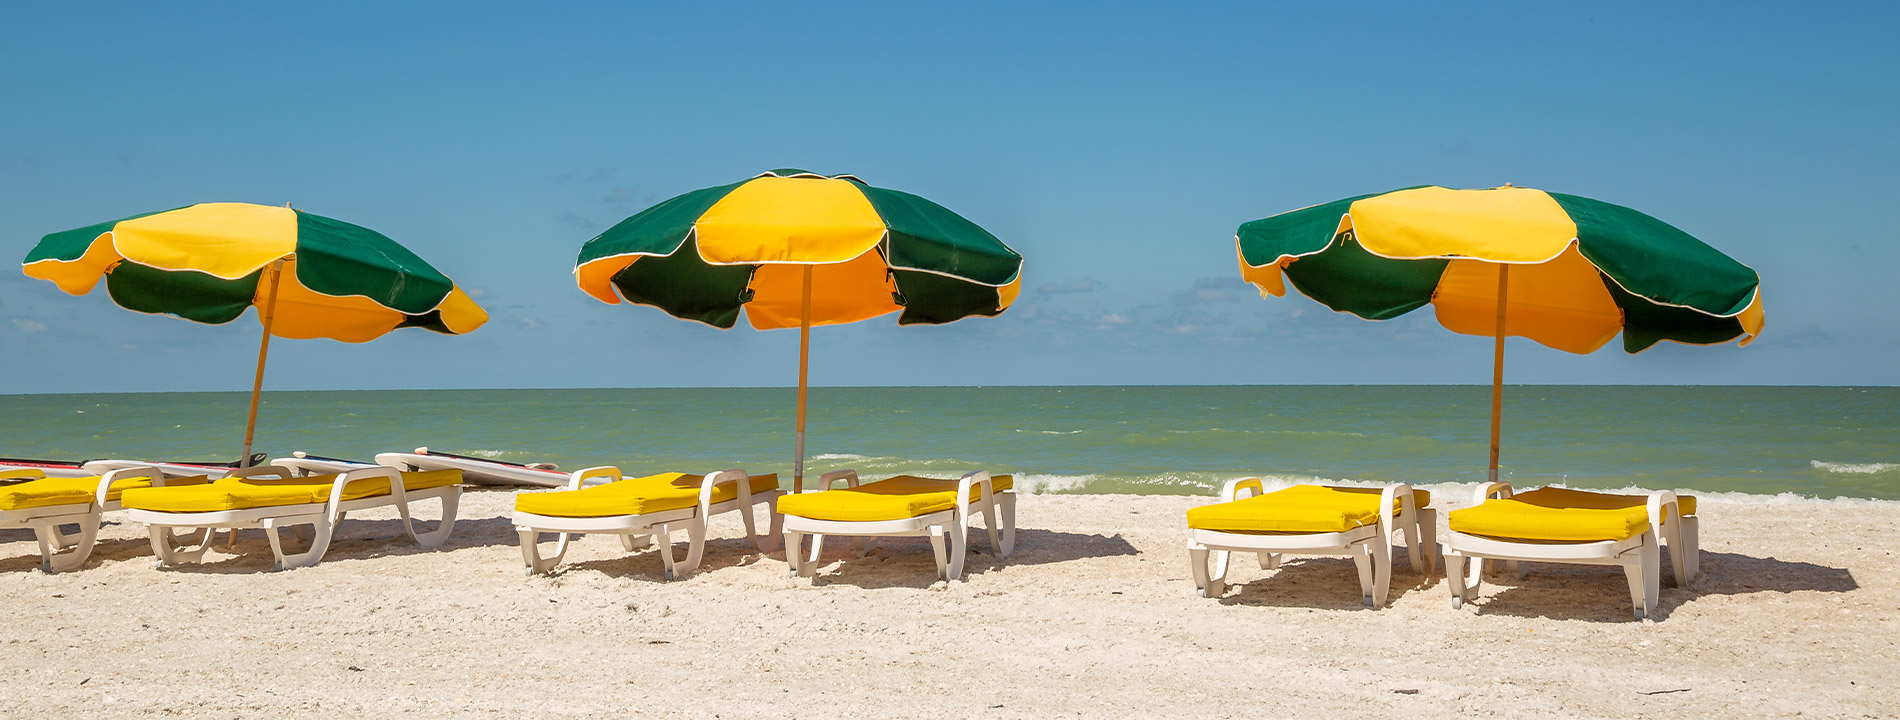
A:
[695,548]
[663,543]
[770,542]
[1671,540]
[530,540]
[803,565]
[1458,580]
[793,540]
[996,540]
[1428,539]
[1218,573]
[1413,550]
[938,551]
[1206,585]
[171,551]
[1365,560]
[1008,501]
[434,538]
[632,541]
[1517,569]
[60,538]
[1691,550]
[306,558]
[864,545]
[1645,578]
[1269,560]
[1381,573]
[959,548]
[52,540]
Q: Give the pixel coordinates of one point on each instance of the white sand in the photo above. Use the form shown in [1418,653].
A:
[1094,616]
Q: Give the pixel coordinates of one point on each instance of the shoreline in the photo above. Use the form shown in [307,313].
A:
[1093,615]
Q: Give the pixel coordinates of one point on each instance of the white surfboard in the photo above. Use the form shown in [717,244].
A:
[48,468]
[174,469]
[306,464]
[477,471]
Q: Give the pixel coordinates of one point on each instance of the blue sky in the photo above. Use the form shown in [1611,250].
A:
[1116,146]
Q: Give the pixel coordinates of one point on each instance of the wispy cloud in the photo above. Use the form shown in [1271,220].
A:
[576,220]
[28,326]
[1078,285]
[1210,290]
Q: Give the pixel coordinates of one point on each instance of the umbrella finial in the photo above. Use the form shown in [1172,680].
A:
[1507,183]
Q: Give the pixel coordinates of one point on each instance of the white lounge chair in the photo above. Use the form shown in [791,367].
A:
[272,497]
[46,504]
[937,508]
[1573,526]
[599,500]
[1312,520]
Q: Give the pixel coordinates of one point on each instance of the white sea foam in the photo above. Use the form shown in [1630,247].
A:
[1446,493]
[1037,484]
[1855,468]
[839,456]
[1049,432]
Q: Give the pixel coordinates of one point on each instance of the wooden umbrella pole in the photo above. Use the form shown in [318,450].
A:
[263,351]
[804,364]
[1497,371]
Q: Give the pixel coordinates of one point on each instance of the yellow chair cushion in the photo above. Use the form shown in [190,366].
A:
[74,491]
[247,493]
[636,496]
[1298,509]
[897,498]
[1561,515]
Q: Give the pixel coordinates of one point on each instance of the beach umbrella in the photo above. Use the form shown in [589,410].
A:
[309,276]
[792,248]
[1565,271]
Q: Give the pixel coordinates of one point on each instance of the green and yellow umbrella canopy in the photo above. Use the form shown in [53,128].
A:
[710,253]
[209,262]
[1565,271]
[1580,270]
[309,276]
[794,249]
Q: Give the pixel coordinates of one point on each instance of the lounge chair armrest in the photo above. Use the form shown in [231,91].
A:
[1399,494]
[104,490]
[741,483]
[343,481]
[1489,490]
[1665,514]
[1231,491]
[977,479]
[261,471]
[849,476]
[575,479]
[23,474]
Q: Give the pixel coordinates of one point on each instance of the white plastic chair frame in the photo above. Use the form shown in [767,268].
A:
[1639,556]
[636,531]
[46,522]
[322,518]
[952,524]
[1369,546]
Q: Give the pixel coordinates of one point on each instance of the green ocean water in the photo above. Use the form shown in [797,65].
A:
[1823,442]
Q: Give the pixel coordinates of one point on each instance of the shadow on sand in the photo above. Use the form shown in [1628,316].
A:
[1599,593]
[353,539]
[1319,583]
